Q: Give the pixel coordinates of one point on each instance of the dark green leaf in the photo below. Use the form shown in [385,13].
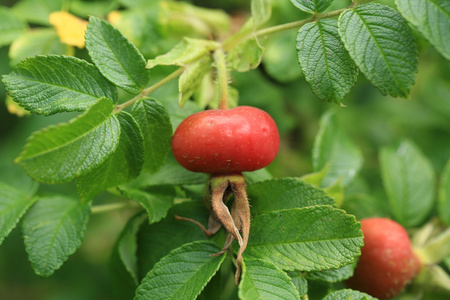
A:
[305,239]
[333,275]
[122,166]
[53,229]
[276,194]
[63,152]
[444,195]
[348,294]
[380,42]
[115,56]
[263,280]
[11,26]
[312,6]
[51,84]
[409,180]
[432,18]
[326,64]
[182,274]
[156,127]
[13,205]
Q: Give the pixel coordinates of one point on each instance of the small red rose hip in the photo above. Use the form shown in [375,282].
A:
[387,262]
[226,141]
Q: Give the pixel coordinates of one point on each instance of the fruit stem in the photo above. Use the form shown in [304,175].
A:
[222,77]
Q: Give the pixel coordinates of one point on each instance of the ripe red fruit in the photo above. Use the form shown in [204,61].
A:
[387,262]
[226,141]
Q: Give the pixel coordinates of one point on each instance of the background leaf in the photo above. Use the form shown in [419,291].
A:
[335,151]
[326,64]
[53,229]
[305,239]
[246,56]
[62,153]
[332,275]
[115,56]
[195,267]
[444,195]
[37,11]
[11,26]
[432,18]
[156,128]
[380,42]
[409,180]
[122,166]
[261,11]
[192,77]
[348,294]
[13,205]
[312,6]
[51,84]
[262,280]
[288,192]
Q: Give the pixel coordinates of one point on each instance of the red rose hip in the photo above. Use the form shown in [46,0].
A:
[226,141]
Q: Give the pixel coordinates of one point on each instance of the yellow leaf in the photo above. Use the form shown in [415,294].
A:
[69,27]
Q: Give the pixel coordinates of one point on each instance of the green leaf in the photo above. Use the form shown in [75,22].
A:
[312,6]
[185,52]
[432,18]
[305,239]
[182,274]
[51,84]
[156,200]
[333,275]
[156,127]
[122,166]
[444,195]
[39,41]
[115,56]
[334,150]
[63,152]
[13,205]
[326,64]
[263,280]
[11,26]
[53,229]
[261,11]
[300,282]
[380,42]
[37,11]
[246,55]
[192,77]
[409,180]
[348,294]
[288,192]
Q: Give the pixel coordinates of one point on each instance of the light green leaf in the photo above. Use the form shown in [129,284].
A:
[380,42]
[444,195]
[312,6]
[348,294]
[263,280]
[53,229]
[51,84]
[37,11]
[39,41]
[122,166]
[13,205]
[300,282]
[11,26]
[156,128]
[305,239]
[246,55]
[432,18]
[288,192]
[115,56]
[63,152]
[409,180]
[326,64]
[334,150]
[156,200]
[261,11]
[192,77]
[189,269]
[187,51]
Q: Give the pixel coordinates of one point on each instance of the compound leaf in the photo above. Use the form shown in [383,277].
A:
[53,229]
[326,64]
[115,56]
[312,6]
[380,42]
[51,84]
[63,152]
[432,18]
[305,239]
[182,274]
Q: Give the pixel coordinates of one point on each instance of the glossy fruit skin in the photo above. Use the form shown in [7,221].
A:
[226,141]
[387,262]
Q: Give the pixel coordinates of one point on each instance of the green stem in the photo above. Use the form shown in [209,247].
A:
[222,77]
[111,207]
